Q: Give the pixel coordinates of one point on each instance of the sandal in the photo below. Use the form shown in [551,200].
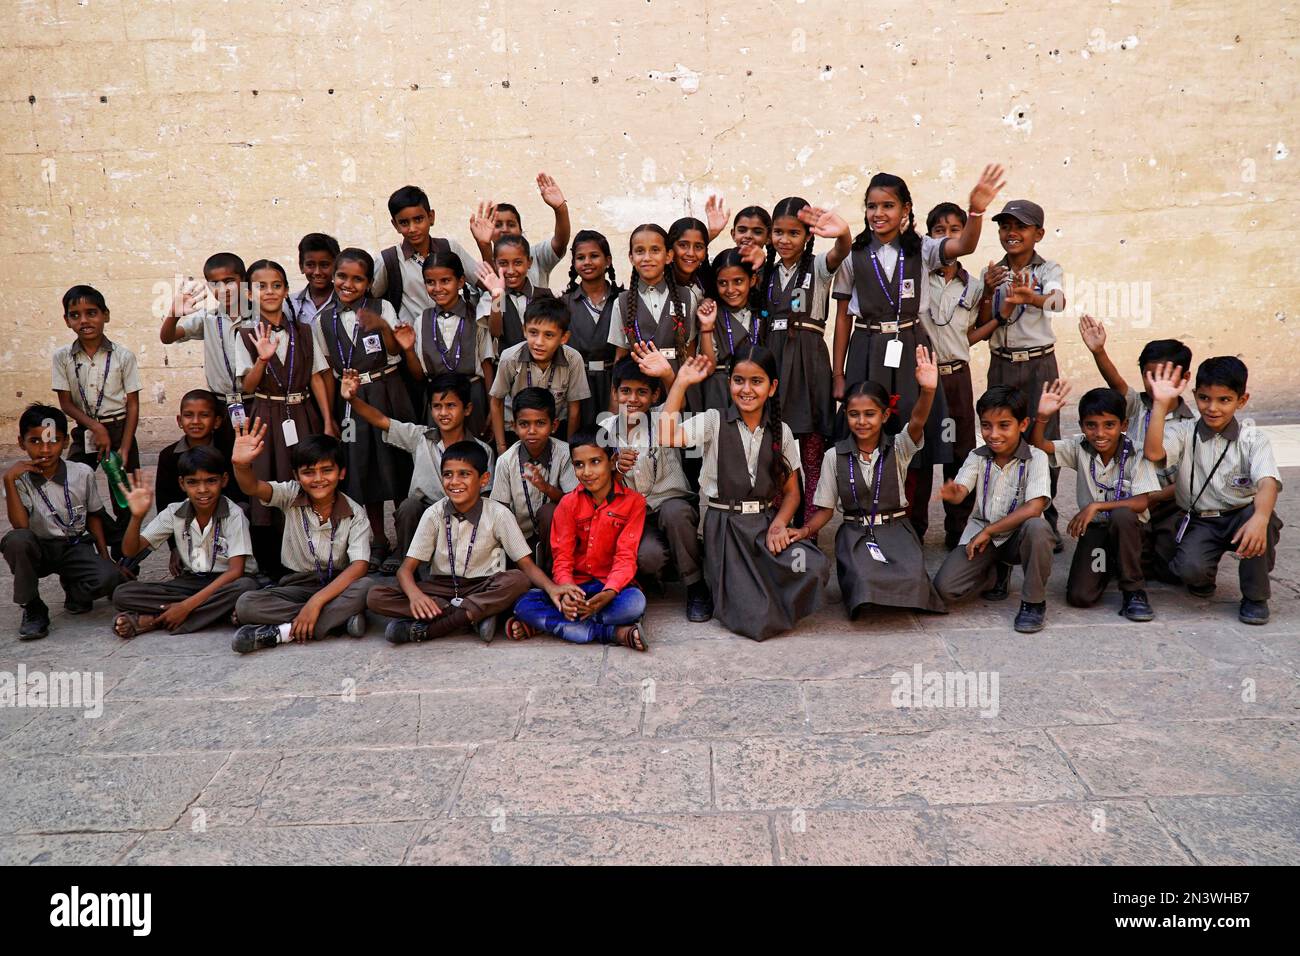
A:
[378,554]
[517,630]
[127,625]
[631,636]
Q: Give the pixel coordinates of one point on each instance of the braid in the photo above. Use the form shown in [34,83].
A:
[780,469]
[629,311]
[573,277]
[614,287]
[678,316]
[909,238]
[765,285]
[805,264]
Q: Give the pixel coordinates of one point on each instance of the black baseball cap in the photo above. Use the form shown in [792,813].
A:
[1030,213]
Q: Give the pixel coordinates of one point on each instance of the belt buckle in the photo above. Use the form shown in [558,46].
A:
[945,369]
[1209,514]
[889,326]
[1020,356]
[668,353]
[749,508]
[596,365]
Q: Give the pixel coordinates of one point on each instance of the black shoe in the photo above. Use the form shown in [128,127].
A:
[1002,587]
[699,603]
[1201,591]
[252,637]
[36,621]
[356,625]
[1031,617]
[1253,612]
[1136,607]
[78,607]
[406,631]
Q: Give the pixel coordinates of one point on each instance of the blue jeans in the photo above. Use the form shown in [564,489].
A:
[536,610]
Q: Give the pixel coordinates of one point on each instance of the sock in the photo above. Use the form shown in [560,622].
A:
[284,633]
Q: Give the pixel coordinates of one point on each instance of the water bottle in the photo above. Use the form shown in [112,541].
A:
[115,471]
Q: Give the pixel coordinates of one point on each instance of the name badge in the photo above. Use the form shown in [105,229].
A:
[876,553]
[1182,528]
[807,281]
[750,508]
[909,289]
[894,353]
[238,417]
[1240,481]
[373,343]
[290,432]
[596,365]
[669,353]
[780,325]
[89,441]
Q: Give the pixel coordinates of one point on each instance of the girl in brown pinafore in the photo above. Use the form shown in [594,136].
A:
[727,327]
[593,290]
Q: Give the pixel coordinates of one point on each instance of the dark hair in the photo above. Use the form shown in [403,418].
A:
[508,207]
[226,260]
[1004,396]
[791,206]
[765,360]
[732,259]
[536,398]
[87,293]
[203,395]
[626,370]
[406,197]
[590,436]
[261,264]
[547,308]
[880,395]
[1166,350]
[908,237]
[317,242]
[453,382]
[316,448]
[680,228]
[674,295]
[37,415]
[353,254]
[1102,401]
[468,451]
[511,240]
[591,235]
[943,211]
[1225,370]
[753,212]
[449,260]
[203,458]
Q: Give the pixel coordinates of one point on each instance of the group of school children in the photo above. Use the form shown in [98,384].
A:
[551,457]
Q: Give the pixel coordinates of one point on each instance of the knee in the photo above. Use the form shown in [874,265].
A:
[19,541]
[633,603]
[515,582]
[1037,531]
[244,605]
[245,584]
[1123,520]
[650,556]
[411,509]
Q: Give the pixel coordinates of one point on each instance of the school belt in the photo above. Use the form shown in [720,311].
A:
[741,507]
[366,378]
[1024,355]
[885,517]
[595,365]
[293,398]
[1218,514]
[952,368]
[805,326]
[110,419]
[865,325]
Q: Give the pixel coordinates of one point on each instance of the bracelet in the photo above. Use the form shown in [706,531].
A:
[973,214]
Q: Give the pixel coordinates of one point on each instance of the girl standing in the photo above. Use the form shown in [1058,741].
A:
[688,238]
[593,290]
[727,329]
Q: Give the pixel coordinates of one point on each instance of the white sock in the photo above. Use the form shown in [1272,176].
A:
[284,633]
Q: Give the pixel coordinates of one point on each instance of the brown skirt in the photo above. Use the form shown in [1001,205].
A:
[274,462]
[804,375]
[903,582]
[377,471]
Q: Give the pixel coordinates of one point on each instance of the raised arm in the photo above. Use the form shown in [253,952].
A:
[927,380]
[1051,401]
[1093,333]
[1165,389]
[249,443]
[990,184]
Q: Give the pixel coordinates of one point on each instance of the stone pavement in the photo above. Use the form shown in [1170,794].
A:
[1170,742]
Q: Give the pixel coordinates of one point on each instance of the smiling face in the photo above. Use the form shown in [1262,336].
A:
[513,262]
[318,268]
[865,418]
[1217,404]
[448,412]
[414,223]
[594,469]
[636,395]
[1104,433]
[320,480]
[507,223]
[44,445]
[734,284]
[443,286]
[544,339]
[1001,431]
[534,428]
[462,483]
[86,319]
[1017,237]
[198,420]
[749,231]
[789,235]
[885,213]
[350,282]
[649,256]
[203,488]
[947,227]
[269,290]
[689,252]
[590,261]
[750,387]
[225,284]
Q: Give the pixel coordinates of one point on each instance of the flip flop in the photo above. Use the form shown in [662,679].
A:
[126,625]
[632,638]
[517,630]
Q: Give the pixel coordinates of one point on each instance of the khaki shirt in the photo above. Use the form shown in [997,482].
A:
[512,489]
[347,525]
[497,537]
[415,297]
[658,473]
[425,446]
[221,349]
[82,377]
[53,520]
[1137,410]
[1139,474]
[1247,459]
[197,553]
[953,307]
[566,379]
[1030,327]
[1004,484]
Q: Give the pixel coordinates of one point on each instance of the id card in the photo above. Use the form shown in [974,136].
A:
[909,289]
[457,601]
[290,432]
[807,281]
[596,365]
[876,553]
[238,417]
[89,442]
[894,353]
[373,343]
[1182,528]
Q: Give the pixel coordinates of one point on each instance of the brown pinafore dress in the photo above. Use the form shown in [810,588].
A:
[283,394]
[461,357]
[903,581]
[755,593]
[589,334]
[798,340]
[662,331]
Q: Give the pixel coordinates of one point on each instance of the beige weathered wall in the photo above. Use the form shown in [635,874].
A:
[138,137]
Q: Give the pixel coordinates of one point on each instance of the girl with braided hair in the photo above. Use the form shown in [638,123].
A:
[764,575]
[593,290]
[728,325]
[688,238]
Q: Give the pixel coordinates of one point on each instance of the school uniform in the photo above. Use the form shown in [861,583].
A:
[755,593]
[1217,478]
[399,276]
[653,318]
[452,340]
[283,395]
[1120,533]
[167,486]
[375,472]
[219,334]
[595,546]
[565,379]
[733,332]
[545,259]
[589,335]
[313,552]
[671,531]
[796,335]
[998,491]
[305,307]
[869,491]
[532,509]
[1160,544]
[56,540]
[205,555]
[514,305]
[425,446]
[952,308]
[471,575]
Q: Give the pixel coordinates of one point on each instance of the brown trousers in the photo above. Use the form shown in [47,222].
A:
[1107,549]
[671,533]
[149,597]
[280,604]
[1030,545]
[484,597]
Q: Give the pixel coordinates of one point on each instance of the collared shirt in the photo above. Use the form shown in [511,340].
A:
[566,378]
[347,523]
[658,473]
[827,494]
[448,326]
[1139,474]
[497,537]
[1137,409]
[1234,484]
[173,521]
[701,430]
[517,296]
[305,307]
[348,328]
[887,256]
[820,285]
[545,260]
[1004,491]
[72,367]
[654,297]
[1030,327]
[415,297]
[280,334]
[220,350]
[79,480]
[425,445]
[510,488]
[953,307]
[591,541]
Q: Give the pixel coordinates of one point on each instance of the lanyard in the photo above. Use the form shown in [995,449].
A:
[352,339]
[329,568]
[1191,477]
[965,287]
[984,497]
[726,324]
[875,488]
[99,402]
[550,372]
[288,329]
[523,481]
[67,500]
[216,537]
[442,349]
[1119,475]
[451,553]
[880,277]
[225,355]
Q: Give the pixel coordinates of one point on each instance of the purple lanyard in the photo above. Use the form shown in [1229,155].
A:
[451,552]
[67,500]
[442,349]
[225,356]
[288,328]
[338,339]
[984,498]
[726,324]
[875,488]
[329,568]
[523,481]
[550,372]
[216,537]
[880,277]
[99,402]
[1118,489]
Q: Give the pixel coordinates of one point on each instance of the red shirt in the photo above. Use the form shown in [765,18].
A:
[597,542]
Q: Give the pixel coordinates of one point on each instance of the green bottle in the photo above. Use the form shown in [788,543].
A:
[116,474]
